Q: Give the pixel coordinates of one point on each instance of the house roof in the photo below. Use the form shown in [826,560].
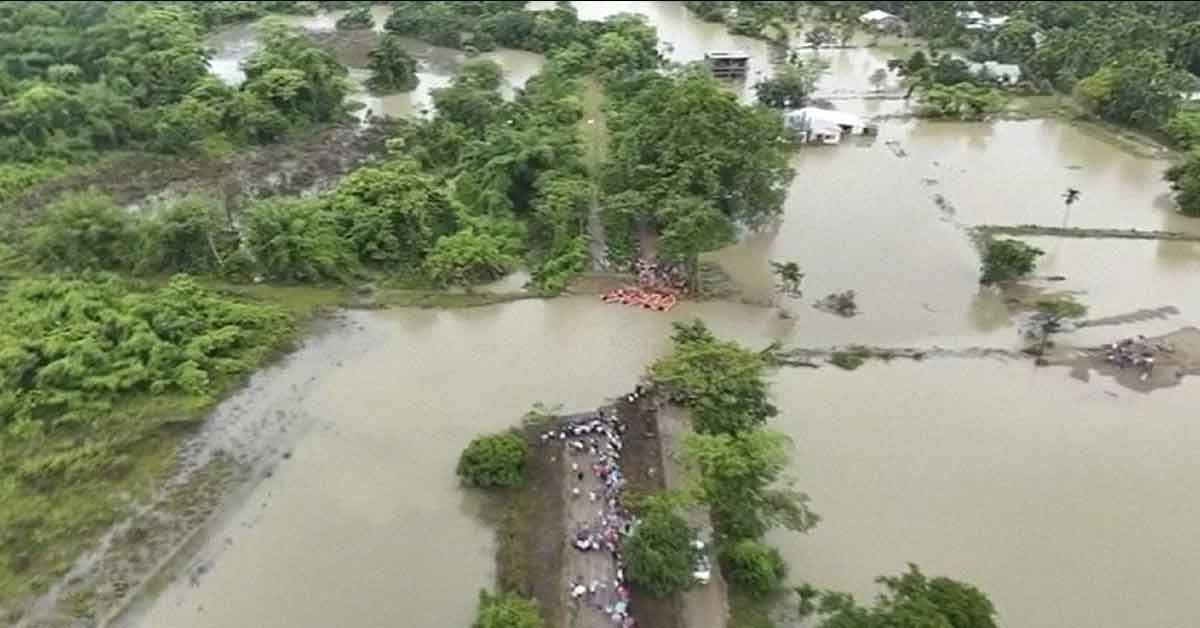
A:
[876,15]
[819,119]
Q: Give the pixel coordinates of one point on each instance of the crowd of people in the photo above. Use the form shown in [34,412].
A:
[1136,353]
[658,287]
[664,278]
[593,447]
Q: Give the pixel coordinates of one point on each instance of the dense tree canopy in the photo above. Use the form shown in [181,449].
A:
[506,610]
[1007,259]
[392,68]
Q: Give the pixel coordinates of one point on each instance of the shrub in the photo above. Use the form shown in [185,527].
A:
[1185,180]
[358,18]
[659,554]
[1008,259]
[296,240]
[754,566]
[192,235]
[849,360]
[84,231]
[468,257]
[494,460]
[506,610]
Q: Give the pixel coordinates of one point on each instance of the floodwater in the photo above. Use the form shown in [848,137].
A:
[436,65]
[1069,502]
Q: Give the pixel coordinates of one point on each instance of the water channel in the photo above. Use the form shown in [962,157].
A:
[1069,502]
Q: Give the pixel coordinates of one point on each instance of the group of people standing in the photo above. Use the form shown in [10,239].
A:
[1135,353]
[593,446]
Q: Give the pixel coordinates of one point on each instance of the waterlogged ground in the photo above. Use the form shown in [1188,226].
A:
[1067,501]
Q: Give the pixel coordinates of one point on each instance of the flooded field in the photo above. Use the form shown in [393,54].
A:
[1069,506]
[1067,501]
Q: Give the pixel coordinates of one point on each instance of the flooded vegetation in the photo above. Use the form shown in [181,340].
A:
[1060,490]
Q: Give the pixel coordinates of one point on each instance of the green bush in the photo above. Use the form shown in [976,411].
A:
[659,554]
[506,610]
[358,18]
[1008,259]
[1185,181]
[192,235]
[69,348]
[84,231]
[468,257]
[494,460]
[849,359]
[754,567]
[296,240]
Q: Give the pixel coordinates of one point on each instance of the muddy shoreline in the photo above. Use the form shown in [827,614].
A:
[231,451]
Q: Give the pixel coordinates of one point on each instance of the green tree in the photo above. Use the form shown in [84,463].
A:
[684,135]
[506,610]
[157,49]
[392,68]
[469,257]
[392,214]
[911,600]
[296,240]
[720,382]
[754,567]
[739,479]
[1136,88]
[1184,128]
[692,226]
[878,78]
[1008,259]
[1185,181]
[84,231]
[494,460]
[183,124]
[660,555]
[472,101]
[1015,41]
[792,83]
[294,75]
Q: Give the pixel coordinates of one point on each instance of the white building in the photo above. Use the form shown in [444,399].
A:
[824,126]
[878,19]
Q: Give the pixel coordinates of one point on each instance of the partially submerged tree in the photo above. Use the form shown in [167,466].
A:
[392,68]
[494,461]
[819,35]
[910,600]
[878,78]
[1008,259]
[792,83]
[789,276]
[469,257]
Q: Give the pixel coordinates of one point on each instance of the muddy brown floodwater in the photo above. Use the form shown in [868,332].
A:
[1069,502]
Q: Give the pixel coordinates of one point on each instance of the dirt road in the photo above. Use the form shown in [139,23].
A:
[704,606]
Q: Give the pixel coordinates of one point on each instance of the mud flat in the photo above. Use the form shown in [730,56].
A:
[1180,358]
[306,163]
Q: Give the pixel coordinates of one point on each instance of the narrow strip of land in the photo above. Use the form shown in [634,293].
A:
[1079,232]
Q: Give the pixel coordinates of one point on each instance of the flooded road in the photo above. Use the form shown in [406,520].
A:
[1067,501]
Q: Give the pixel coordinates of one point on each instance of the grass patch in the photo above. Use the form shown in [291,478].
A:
[850,358]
